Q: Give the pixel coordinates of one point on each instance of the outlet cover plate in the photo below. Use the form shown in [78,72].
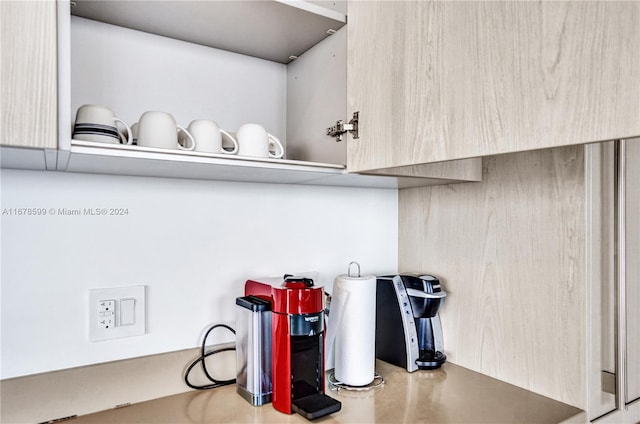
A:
[98,331]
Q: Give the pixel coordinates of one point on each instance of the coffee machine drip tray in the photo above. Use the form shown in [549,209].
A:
[315,406]
[429,360]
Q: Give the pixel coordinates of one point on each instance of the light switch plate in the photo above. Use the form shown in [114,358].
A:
[126,312]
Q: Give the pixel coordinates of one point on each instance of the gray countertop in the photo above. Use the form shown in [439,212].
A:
[451,394]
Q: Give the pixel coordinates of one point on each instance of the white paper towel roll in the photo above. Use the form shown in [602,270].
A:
[352,322]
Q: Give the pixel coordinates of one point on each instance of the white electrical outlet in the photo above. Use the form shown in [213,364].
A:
[117,312]
[106,314]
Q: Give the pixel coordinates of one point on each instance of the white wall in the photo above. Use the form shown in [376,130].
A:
[193,243]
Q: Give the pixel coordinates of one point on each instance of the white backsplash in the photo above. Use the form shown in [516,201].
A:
[192,243]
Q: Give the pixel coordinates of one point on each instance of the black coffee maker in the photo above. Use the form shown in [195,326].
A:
[408,329]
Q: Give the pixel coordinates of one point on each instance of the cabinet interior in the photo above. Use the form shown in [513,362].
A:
[131,72]
[139,56]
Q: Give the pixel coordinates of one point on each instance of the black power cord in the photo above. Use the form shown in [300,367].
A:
[204,355]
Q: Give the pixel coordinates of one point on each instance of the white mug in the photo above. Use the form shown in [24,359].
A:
[254,140]
[159,129]
[208,137]
[99,123]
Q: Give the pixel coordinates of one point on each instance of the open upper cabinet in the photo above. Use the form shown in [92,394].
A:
[282,64]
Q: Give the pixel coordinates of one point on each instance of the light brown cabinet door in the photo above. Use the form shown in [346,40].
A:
[28,80]
[437,81]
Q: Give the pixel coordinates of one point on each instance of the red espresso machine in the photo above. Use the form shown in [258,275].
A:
[297,345]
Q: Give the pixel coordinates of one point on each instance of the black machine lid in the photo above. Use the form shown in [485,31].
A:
[254,303]
[288,278]
[425,283]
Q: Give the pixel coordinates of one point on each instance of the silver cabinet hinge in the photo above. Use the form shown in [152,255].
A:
[340,128]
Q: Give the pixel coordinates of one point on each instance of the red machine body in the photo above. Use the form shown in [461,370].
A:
[289,297]
[297,343]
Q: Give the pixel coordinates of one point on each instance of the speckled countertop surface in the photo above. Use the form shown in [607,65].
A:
[451,394]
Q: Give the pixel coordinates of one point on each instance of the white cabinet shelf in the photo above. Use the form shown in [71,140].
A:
[271,30]
[98,158]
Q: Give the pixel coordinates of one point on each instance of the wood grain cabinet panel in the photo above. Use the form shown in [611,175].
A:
[437,81]
[29,76]
[510,251]
[528,259]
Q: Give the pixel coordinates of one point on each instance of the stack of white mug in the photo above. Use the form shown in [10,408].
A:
[159,130]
